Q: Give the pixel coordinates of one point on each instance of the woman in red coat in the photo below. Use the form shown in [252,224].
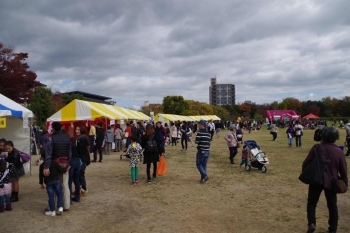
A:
[327,151]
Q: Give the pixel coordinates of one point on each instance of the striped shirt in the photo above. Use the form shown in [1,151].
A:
[203,140]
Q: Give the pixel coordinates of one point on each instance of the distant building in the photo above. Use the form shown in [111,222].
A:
[249,102]
[221,94]
[92,97]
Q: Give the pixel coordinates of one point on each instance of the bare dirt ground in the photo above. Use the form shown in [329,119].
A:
[233,200]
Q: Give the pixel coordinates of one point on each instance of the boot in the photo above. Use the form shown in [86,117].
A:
[14,197]
[8,207]
[1,209]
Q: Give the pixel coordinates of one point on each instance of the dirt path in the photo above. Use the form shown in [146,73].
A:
[233,200]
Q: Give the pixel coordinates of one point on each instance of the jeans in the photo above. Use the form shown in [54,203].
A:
[7,200]
[127,143]
[201,162]
[82,176]
[52,188]
[290,141]
[64,178]
[148,170]
[74,175]
[244,161]
[233,152]
[298,140]
[98,147]
[118,144]
[274,136]
[312,199]
[184,139]
[108,148]
[173,141]
[92,140]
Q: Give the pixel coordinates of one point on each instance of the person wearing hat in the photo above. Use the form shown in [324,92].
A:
[232,142]
[203,146]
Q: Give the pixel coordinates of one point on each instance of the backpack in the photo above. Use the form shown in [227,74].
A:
[151,146]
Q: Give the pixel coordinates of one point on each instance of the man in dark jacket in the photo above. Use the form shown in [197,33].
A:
[335,164]
[58,146]
[100,136]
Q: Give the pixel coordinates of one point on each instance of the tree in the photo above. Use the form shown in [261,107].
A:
[66,99]
[42,105]
[245,110]
[175,105]
[17,81]
[314,109]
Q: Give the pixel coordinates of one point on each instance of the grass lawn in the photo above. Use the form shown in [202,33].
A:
[233,200]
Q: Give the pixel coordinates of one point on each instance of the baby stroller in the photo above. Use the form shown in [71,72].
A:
[257,157]
[239,134]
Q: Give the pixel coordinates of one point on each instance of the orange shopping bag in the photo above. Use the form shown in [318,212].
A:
[161,168]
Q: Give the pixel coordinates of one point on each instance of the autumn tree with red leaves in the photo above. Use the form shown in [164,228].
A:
[17,81]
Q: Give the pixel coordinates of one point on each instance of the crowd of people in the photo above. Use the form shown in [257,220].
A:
[66,158]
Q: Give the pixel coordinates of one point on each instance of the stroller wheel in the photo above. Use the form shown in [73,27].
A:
[264,169]
[248,168]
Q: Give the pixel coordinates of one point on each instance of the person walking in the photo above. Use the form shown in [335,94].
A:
[100,136]
[347,128]
[232,143]
[290,134]
[74,171]
[92,135]
[273,131]
[118,135]
[83,147]
[211,129]
[5,186]
[298,128]
[184,137]
[135,152]
[203,152]
[335,163]
[152,150]
[58,148]
[173,132]
[109,138]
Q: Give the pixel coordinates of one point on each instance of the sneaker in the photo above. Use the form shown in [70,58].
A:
[60,211]
[204,180]
[149,181]
[311,228]
[137,180]
[76,199]
[154,177]
[100,161]
[50,213]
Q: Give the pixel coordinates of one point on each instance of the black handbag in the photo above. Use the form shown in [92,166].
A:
[313,172]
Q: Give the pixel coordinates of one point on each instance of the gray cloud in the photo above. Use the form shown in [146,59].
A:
[135,51]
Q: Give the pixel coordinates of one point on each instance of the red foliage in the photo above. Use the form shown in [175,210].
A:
[17,82]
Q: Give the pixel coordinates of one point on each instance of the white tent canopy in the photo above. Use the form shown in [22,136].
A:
[15,123]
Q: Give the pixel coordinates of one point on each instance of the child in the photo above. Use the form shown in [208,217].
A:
[5,186]
[53,186]
[134,151]
[245,156]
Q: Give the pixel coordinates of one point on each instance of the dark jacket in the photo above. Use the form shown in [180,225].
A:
[14,158]
[83,143]
[55,171]
[100,135]
[150,157]
[337,162]
[160,133]
[57,146]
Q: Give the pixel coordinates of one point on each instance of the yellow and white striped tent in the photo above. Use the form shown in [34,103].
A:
[170,117]
[79,110]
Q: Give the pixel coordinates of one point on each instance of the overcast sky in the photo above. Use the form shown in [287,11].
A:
[135,51]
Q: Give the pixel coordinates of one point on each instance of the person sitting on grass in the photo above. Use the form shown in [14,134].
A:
[53,186]
[245,156]
[135,152]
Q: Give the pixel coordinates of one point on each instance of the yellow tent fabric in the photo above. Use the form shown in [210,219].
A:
[84,110]
[172,117]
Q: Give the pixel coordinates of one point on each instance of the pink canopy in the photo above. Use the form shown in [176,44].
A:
[280,114]
[311,116]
